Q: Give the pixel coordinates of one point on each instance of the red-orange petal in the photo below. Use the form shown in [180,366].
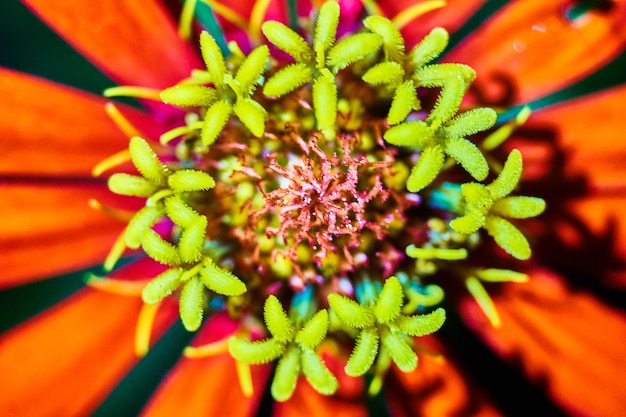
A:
[573,160]
[451,17]
[436,388]
[567,340]
[531,48]
[308,402]
[207,386]
[48,229]
[66,360]
[48,129]
[133,42]
[585,131]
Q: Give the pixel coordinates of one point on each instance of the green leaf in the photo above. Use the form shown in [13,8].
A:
[161,286]
[421,325]
[363,354]
[287,40]
[288,79]
[389,301]
[191,304]
[350,312]
[221,281]
[469,157]
[508,237]
[147,162]
[519,207]
[252,115]
[215,119]
[353,48]
[286,376]
[426,169]
[277,321]
[255,352]
[318,375]
[187,180]
[131,185]
[509,176]
[399,351]
[314,331]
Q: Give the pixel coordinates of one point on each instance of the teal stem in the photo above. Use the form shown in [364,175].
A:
[367,292]
[447,197]
[292,8]
[302,305]
[204,14]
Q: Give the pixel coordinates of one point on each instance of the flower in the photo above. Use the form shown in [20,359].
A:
[341,197]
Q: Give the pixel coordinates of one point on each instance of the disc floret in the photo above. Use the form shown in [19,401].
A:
[335,174]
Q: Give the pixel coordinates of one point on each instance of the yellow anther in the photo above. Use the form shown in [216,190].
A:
[205,351]
[409,14]
[144,328]
[185,24]
[117,214]
[121,121]
[372,7]
[228,14]
[436,253]
[179,131]
[375,386]
[259,10]
[498,137]
[115,253]
[245,378]
[110,162]
[116,286]
[135,92]
[484,301]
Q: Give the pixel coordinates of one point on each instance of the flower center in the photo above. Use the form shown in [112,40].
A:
[329,183]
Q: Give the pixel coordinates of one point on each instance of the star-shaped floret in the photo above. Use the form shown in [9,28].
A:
[487,205]
[381,323]
[294,346]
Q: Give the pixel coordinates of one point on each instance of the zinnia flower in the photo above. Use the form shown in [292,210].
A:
[309,198]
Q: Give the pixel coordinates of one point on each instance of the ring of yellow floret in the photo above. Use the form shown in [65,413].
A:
[380,322]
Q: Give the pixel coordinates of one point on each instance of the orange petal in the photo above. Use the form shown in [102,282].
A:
[451,17]
[572,160]
[52,130]
[565,340]
[135,43]
[585,131]
[531,48]
[66,360]
[308,402]
[48,229]
[436,388]
[207,386]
